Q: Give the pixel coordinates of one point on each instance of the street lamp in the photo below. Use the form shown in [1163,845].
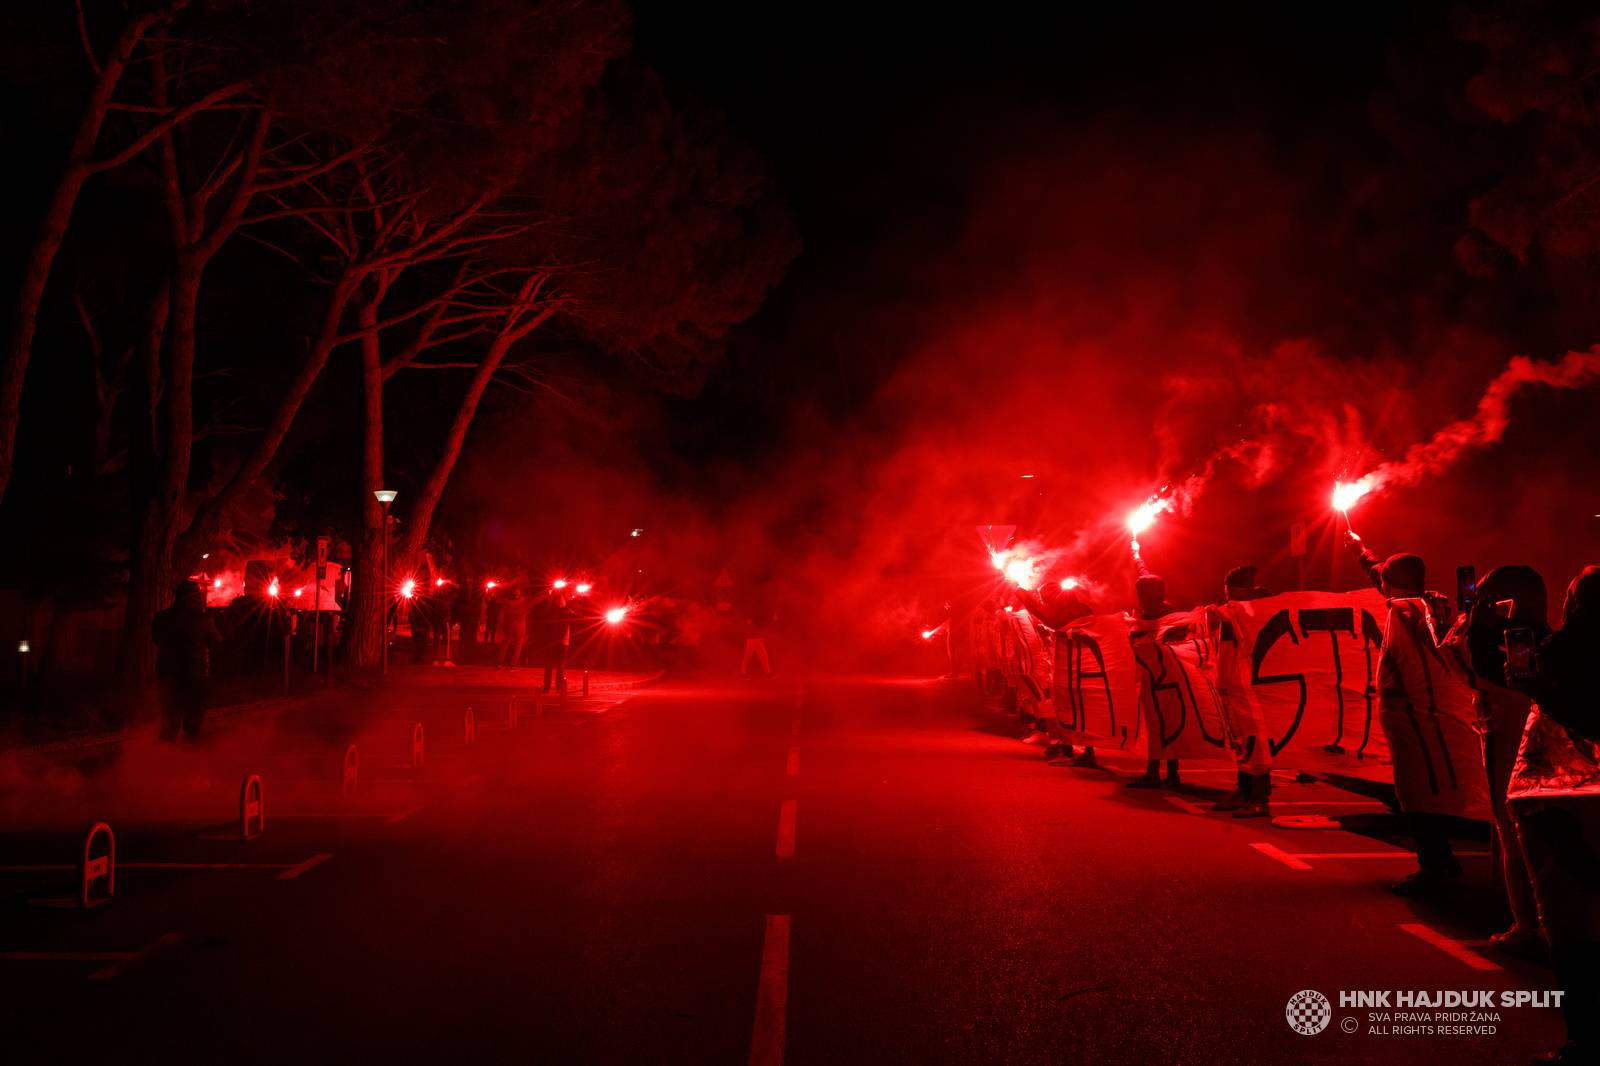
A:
[385,497]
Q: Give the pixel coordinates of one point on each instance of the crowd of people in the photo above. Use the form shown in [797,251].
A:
[1535,693]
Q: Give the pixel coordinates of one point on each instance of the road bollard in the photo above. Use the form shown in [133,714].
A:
[95,868]
[252,808]
[351,766]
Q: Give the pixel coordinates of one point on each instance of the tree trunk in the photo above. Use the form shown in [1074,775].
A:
[371,597]
[150,569]
[52,230]
[421,512]
[212,515]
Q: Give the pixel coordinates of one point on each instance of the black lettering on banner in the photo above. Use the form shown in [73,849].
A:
[1025,660]
[1277,627]
[1158,685]
[1371,637]
[1202,656]
[1421,635]
[1332,621]
[1078,643]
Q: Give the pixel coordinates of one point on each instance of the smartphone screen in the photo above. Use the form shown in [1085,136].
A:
[1466,586]
[1522,654]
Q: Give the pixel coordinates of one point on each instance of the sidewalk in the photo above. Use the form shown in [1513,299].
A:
[404,681]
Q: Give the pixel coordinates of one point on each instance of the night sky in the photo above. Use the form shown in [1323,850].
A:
[878,121]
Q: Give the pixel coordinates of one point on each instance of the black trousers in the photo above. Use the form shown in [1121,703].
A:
[555,663]
[1433,842]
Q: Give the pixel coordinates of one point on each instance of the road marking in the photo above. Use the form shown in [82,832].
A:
[310,864]
[1273,852]
[121,966]
[65,956]
[793,769]
[1448,946]
[1378,854]
[1330,803]
[786,815]
[48,867]
[396,819]
[772,995]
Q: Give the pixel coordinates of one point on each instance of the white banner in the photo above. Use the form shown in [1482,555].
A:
[1096,687]
[1177,690]
[1427,715]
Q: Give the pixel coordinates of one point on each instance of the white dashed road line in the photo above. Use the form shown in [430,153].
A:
[1453,948]
[772,995]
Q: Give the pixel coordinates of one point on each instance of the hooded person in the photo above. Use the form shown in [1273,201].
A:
[1150,592]
[1406,573]
[1251,797]
[1507,598]
[1554,799]
[1403,576]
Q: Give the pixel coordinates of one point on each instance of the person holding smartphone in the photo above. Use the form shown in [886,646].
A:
[1554,800]
[1509,600]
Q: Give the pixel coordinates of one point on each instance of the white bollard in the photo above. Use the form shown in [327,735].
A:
[95,868]
[351,766]
[252,808]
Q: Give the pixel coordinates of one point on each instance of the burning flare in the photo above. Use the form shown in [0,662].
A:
[1143,517]
[1347,493]
[616,615]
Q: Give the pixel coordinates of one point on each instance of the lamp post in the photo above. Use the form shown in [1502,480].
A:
[385,497]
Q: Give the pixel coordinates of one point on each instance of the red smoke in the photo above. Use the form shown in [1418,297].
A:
[1487,424]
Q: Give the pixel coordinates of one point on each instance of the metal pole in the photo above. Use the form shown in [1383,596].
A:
[316,620]
[383,604]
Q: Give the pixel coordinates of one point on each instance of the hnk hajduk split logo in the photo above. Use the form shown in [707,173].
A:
[1308,1012]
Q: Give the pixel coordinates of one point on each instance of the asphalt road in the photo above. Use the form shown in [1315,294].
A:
[827,870]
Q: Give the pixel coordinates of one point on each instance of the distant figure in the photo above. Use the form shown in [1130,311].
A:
[420,608]
[755,644]
[1151,592]
[184,636]
[514,629]
[491,615]
[1252,794]
[551,620]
